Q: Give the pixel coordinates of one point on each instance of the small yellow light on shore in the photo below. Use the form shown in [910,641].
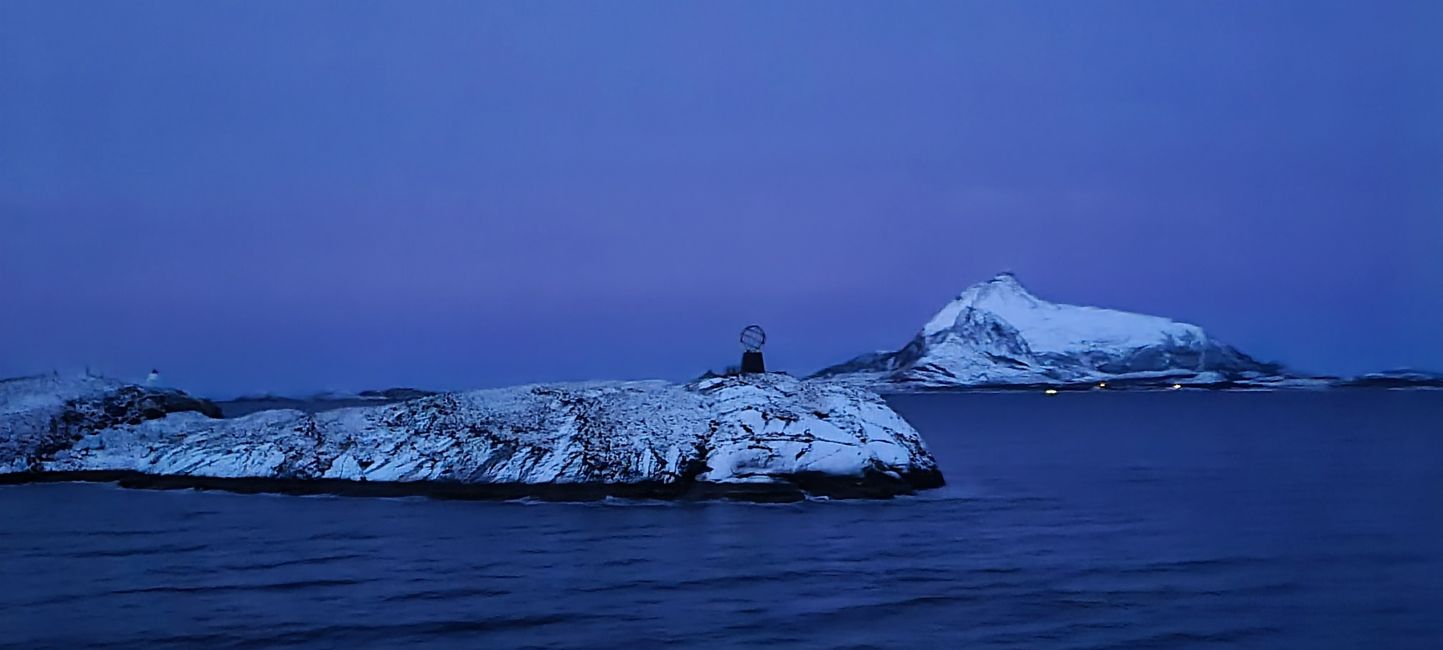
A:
[1102,384]
[1050,391]
[1176,386]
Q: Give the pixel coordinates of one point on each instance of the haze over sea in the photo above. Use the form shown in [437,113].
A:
[1158,520]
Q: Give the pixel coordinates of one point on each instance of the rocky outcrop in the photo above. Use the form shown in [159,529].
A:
[43,415]
[764,437]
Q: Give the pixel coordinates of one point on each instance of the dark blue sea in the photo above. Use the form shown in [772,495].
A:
[1122,520]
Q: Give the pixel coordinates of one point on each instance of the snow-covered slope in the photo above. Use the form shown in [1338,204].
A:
[999,333]
[762,436]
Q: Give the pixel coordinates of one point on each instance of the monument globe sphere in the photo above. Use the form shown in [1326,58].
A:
[753,337]
[752,340]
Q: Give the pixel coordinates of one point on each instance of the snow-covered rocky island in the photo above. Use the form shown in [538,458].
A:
[757,437]
[997,334]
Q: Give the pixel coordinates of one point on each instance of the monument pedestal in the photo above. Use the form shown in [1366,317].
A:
[752,363]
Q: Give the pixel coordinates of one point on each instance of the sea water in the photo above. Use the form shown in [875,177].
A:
[1137,520]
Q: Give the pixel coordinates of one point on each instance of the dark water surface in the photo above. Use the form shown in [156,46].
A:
[1156,520]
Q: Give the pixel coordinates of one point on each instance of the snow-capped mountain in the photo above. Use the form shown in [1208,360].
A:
[765,437]
[999,333]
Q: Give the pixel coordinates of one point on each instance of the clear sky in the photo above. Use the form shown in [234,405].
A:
[296,195]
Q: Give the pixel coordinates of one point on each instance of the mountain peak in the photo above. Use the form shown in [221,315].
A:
[1005,281]
[1003,293]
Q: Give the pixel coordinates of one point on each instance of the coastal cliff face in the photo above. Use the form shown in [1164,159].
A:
[766,437]
[998,333]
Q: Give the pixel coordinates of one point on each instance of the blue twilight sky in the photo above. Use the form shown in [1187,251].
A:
[296,195]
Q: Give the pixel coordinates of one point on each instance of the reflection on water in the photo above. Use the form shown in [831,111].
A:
[1117,520]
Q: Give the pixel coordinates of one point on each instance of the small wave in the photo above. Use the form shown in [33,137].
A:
[1195,565]
[447,594]
[1186,639]
[270,586]
[134,552]
[305,561]
[342,536]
